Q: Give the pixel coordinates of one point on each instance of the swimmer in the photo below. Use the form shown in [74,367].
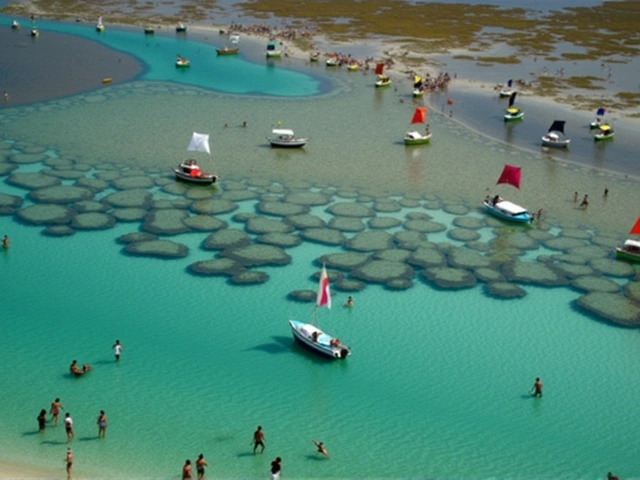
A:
[321,448]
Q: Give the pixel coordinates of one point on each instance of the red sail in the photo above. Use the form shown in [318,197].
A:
[379,68]
[635,230]
[510,175]
[420,115]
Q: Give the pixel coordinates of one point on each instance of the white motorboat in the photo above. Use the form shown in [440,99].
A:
[189,170]
[285,138]
[555,136]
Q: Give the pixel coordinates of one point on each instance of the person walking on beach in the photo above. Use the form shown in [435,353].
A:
[200,464]
[56,406]
[276,468]
[68,460]
[68,426]
[258,439]
[186,470]
[585,202]
[117,349]
[102,424]
[321,448]
[536,390]
[42,420]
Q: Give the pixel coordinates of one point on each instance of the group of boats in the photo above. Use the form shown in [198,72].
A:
[555,136]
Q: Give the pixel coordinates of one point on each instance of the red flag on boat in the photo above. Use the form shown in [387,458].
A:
[420,115]
[324,295]
[510,175]
[635,230]
[379,68]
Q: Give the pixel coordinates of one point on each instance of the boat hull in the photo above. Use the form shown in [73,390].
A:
[599,137]
[505,93]
[548,142]
[302,332]
[417,140]
[383,83]
[496,211]
[227,51]
[508,117]
[274,54]
[622,254]
[297,143]
[204,179]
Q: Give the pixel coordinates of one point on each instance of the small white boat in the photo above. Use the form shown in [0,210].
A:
[15,25]
[513,113]
[630,251]
[332,62]
[598,120]
[285,138]
[605,132]
[189,170]
[383,80]
[502,208]
[507,91]
[418,86]
[100,25]
[310,336]
[182,62]
[413,137]
[273,50]
[555,136]
[181,28]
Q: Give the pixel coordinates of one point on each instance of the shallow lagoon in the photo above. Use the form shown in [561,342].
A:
[438,382]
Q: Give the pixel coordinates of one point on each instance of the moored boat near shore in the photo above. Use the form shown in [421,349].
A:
[513,113]
[555,136]
[227,51]
[605,132]
[189,170]
[285,138]
[413,137]
[502,208]
[630,250]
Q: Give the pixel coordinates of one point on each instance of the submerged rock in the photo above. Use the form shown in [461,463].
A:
[9,204]
[325,236]
[32,181]
[534,273]
[249,277]
[61,194]
[166,222]
[45,214]
[306,221]
[370,241]
[157,249]
[382,271]
[216,267]
[226,238]
[504,290]
[611,307]
[93,221]
[450,278]
[304,296]
[257,255]
[595,284]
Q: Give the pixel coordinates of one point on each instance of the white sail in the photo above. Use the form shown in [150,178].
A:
[100,21]
[199,143]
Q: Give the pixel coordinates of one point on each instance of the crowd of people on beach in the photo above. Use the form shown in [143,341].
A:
[267,30]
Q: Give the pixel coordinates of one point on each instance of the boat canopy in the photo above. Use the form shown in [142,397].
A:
[513,110]
[605,128]
[632,243]
[282,131]
[510,208]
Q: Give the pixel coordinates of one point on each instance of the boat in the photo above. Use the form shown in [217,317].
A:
[149,30]
[502,208]
[273,50]
[35,32]
[314,57]
[598,120]
[234,38]
[555,136]
[227,51]
[100,25]
[415,137]
[630,251]
[605,132]
[513,113]
[310,336]
[352,67]
[507,91]
[418,86]
[181,28]
[15,25]
[332,62]
[285,138]
[383,80]
[182,62]
[189,170]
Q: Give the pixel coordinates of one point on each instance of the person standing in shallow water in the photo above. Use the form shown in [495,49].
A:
[68,460]
[258,439]
[117,350]
[102,424]
[200,464]
[536,391]
[276,468]
[56,406]
[5,242]
[42,420]
[68,426]
[186,470]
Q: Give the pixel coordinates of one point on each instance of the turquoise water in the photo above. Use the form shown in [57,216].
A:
[438,382]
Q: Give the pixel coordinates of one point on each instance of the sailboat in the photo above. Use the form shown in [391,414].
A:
[502,208]
[508,90]
[273,51]
[100,25]
[383,80]
[605,132]
[418,86]
[414,137]
[189,170]
[630,251]
[513,113]
[181,28]
[310,336]
[598,121]
[555,136]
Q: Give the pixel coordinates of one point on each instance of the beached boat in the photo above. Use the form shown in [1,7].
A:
[332,62]
[352,67]
[227,51]
[502,208]
[189,170]
[598,120]
[15,24]
[310,336]
[149,30]
[605,132]
[383,80]
[273,50]
[413,137]
[630,251]
[513,113]
[182,62]
[181,28]
[100,25]
[285,138]
[555,136]
[507,91]
[314,57]
[418,86]
[35,32]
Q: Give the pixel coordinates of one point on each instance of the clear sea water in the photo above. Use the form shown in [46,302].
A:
[437,386]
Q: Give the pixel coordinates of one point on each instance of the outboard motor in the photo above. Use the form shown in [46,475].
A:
[344,353]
